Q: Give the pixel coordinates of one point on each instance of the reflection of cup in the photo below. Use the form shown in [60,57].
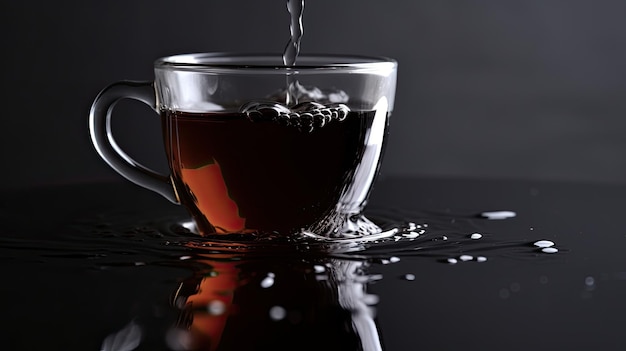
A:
[255,146]
[270,305]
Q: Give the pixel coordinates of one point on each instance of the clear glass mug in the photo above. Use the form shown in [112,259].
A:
[257,147]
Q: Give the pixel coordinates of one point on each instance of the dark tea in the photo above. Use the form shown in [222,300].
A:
[245,176]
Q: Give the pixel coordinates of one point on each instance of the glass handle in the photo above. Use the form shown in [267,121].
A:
[107,148]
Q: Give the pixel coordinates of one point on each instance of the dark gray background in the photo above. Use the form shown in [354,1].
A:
[503,88]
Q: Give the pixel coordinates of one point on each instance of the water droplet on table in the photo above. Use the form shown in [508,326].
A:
[409,277]
[497,215]
[544,243]
[476,236]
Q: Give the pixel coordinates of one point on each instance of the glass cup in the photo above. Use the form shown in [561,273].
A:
[257,147]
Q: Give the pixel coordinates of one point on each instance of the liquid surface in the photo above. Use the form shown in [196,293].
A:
[111,267]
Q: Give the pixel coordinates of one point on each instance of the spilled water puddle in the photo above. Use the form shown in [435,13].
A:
[271,289]
[115,239]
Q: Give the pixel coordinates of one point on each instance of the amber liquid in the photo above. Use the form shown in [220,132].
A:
[236,176]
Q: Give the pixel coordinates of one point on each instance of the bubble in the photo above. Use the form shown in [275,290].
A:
[306,106]
[481,259]
[465,258]
[452,260]
[394,259]
[306,116]
[550,250]
[590,281]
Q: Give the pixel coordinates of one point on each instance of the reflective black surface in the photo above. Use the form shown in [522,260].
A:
[102,266]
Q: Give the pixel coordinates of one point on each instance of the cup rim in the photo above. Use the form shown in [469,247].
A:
[269,62]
